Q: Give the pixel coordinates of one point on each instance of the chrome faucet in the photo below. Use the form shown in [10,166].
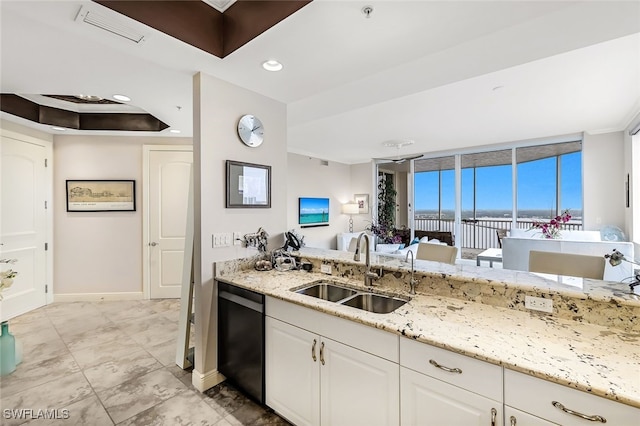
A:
[412,283]
[369,276]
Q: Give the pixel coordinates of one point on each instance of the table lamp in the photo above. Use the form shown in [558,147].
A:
[350,208]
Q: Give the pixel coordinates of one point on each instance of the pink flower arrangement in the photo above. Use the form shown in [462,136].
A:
[552,229]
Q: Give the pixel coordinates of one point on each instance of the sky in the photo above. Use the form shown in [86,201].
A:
[314,205]
[536,186]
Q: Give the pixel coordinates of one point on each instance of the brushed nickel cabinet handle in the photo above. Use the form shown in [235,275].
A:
[512,419]
[322,353]
[313,350]
[494,414]
[594,418]
[442,367]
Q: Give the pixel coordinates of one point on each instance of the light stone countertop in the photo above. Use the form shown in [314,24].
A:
[604,361]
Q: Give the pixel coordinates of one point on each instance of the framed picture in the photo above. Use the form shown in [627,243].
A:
[248,185]
[363,203]
[101,195]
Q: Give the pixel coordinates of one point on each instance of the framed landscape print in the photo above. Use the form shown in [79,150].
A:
[101,195]
[248,185]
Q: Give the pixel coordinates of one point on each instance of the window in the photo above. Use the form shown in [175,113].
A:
[548,181]
[434,194]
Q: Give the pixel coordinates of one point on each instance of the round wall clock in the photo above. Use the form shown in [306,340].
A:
[250,130]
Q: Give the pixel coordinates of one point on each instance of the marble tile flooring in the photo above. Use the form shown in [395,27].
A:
[105,363]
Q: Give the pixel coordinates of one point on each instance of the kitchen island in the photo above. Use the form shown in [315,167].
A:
[589,342]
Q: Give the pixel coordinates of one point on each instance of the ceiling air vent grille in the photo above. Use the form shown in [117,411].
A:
[108,24]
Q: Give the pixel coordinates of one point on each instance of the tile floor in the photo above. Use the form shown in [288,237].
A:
[105,363]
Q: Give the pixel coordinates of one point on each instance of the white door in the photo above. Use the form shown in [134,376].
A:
[168,178]
[427,401]
[292,376]
[23,224]
[357,388]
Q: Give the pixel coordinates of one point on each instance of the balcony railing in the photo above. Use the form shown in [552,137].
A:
[480,233]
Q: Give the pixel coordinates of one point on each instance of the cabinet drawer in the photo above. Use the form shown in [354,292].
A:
[368,339]
[471,374]
[535,396]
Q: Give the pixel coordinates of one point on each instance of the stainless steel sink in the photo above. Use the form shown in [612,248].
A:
[327,290]
[375,303]
[337,293]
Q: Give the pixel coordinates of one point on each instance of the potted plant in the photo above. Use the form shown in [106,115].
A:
[384,228]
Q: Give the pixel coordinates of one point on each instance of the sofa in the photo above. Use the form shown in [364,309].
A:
[516,248]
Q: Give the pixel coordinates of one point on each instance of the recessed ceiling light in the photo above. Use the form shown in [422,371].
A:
[122,98]
[272,65]
[61,129]
[174,131]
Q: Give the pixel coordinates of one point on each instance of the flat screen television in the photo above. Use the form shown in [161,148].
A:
[313,212]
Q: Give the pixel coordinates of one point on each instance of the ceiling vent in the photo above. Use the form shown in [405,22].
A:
[220,5]
[109,24]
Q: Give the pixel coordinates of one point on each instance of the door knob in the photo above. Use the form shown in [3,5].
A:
[153,244]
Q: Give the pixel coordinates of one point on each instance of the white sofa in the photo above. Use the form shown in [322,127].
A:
[516,248]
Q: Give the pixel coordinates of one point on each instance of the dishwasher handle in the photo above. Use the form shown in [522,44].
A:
[239,300]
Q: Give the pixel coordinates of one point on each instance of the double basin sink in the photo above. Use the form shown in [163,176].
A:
[360,299]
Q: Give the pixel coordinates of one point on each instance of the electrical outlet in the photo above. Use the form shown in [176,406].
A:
[538,304]
[237,239]
[325,269]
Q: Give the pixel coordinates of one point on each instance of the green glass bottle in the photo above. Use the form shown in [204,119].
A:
[7,351]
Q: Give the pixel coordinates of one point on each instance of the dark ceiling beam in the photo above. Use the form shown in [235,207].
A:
[193,22]
[29,110]
[202,26]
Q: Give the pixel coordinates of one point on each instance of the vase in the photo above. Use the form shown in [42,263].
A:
[7,351]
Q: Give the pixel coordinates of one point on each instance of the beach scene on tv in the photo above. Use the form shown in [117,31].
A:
[314,210]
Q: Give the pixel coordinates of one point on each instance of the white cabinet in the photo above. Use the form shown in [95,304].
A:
[563,405]
[291,372]
[513,417]
[357,388]
[439,387]
[428,401]
[312,379]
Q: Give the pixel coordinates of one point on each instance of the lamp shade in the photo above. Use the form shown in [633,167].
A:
[350,208]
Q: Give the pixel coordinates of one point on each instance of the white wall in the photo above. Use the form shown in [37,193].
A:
[632,157]
[603,181]
[363,182]
[308,177]
[217,107]
[98,252]
[15,127]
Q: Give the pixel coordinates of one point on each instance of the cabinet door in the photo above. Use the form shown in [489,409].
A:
[513,417]
[291,373]
[357,388]
[428,401]
[562,404]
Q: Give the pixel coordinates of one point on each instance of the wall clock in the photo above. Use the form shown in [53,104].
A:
[250,130]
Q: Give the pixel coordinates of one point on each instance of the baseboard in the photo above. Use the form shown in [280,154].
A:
[202,382]
[97,297]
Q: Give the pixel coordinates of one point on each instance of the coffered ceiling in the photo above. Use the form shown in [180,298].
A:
[446,74]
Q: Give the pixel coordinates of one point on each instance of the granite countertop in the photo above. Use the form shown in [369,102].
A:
[604,361]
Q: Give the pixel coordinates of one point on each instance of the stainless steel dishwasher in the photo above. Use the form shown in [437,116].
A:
[241,339]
